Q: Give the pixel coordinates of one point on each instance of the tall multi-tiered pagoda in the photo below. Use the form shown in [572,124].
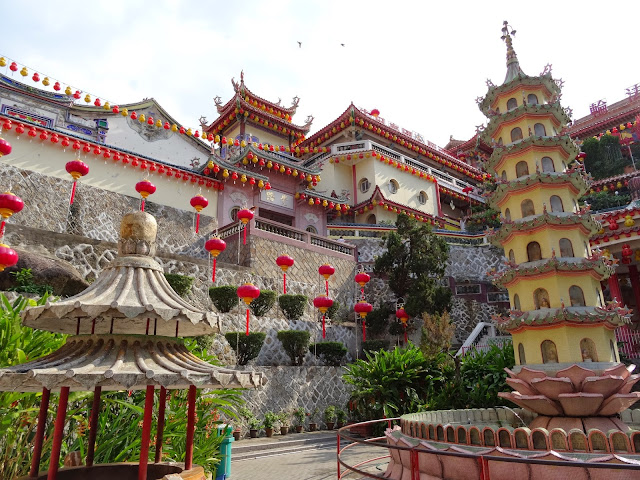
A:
[559,322]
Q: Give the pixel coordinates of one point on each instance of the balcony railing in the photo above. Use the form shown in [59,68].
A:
[354,230]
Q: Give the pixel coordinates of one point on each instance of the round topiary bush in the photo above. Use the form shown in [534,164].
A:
[181,284]
[295,344]
[293,306]
[372,346]
[263,303]
[331,353]
[224,298]
[247,347]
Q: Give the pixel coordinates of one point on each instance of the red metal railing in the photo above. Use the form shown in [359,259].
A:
[628,342]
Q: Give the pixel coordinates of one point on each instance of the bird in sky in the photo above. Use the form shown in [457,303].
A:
[342,44]
[300,44]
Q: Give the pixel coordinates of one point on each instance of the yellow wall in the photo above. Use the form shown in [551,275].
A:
[547,239]
[557,287]
[531,157]
[336,177]
[410,187]
[517,93]
[538,196]
[526,122]
[567,340]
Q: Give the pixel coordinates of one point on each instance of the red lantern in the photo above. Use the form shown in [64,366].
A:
[76,168]
[362,308]
[215,246]
[323,303]
[613,225]
[626,254]
[248,293]
[199,202]
[362,279]
[5,147]
[145,188]
[284,262]
[245,215]
[326,271]
[8,257]
[403,317]
[9,204]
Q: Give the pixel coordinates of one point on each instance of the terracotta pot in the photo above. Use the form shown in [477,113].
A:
[299,428]
[330,425]
[340,424]
[236,435]
[284,430]
[268,432]
[253,433]
[313,427]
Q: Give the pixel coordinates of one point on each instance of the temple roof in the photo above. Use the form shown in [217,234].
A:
[619,112]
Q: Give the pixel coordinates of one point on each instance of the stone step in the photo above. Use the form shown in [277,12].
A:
[280,451]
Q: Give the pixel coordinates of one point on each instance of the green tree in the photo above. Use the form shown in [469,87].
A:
[604,158]
[414,262]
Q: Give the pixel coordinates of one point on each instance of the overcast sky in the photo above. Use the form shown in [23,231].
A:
[421,63]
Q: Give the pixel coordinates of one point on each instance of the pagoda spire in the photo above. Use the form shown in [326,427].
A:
[513,66]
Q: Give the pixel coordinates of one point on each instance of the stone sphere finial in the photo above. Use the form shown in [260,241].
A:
[138,232]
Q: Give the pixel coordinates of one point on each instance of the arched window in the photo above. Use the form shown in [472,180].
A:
[422,197]
[539,130]
[516,134]
[541,299]
[371,219]
[556,204]
[588,350]
[512,103]
[533,252]
[507,214]
[576,296]
[527,208]
[516,302]
[500,141]
[522,359]
[364,185]
[504,176]
[393,186]
[233,213]
[547,165]
[532,99]
[566,247]
[549,352]
[522,169]
[311,229]
[512,256]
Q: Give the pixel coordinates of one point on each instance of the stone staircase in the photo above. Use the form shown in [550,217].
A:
[249,448]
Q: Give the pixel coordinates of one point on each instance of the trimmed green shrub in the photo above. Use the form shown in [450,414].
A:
[263,303]
[224,298]
[293,306]
[248,347]
[295,344]
[332,311]
[181,284]
[26,284]
[378,320]
[371,346]
[331,353]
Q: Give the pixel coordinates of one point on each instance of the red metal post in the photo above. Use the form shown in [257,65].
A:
[191,426]
[338,455]
[635,284]
[37,445]
[58,431]
[93,425]
[160,435]
[614,288]
[146,433]
[284,282]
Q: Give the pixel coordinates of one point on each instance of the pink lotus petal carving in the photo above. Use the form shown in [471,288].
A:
[551,387]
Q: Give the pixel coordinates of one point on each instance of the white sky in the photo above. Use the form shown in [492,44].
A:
[421,63]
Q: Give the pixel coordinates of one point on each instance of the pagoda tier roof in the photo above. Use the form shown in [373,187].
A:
[243,91]
[528,225]
[275,157]
[615,179]
[596,266]
[620,112]
[500,152]
[632,209]
[514,85]
[352,115]
[611,316]
[573,178]
[122,362]
[538,109]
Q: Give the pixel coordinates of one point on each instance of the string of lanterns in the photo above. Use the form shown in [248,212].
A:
[362,308]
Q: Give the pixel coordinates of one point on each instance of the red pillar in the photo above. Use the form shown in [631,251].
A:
[160,435]
[635,283]
[146,433]
[191,426]
[58,431]
[37,445]
[614,288]
[93,425]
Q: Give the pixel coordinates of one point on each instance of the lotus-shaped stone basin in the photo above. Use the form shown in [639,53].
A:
[574,397]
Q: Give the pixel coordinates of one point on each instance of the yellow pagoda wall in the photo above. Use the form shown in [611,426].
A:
[517,93]
[557,287]
[531,156]
[539,194]
[524,122]
[547,239]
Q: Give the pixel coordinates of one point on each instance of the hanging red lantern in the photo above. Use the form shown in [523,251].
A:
[626,254]
[362,279]
[613,224]
[245,215]
[5,147]
[215,246]
[403,317]
[362,308]
[284,262]
[145,188]
[76,168]
[9,204]
[323,303]
[199,202]
[8,257]
[326,271]
[248,293]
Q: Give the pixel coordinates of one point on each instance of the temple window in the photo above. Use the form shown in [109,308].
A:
[512,103]
[576,296]
[527,208]
[364,185]
[549,352]
[500,141]
[311,229]
[541,299]
[371,219]
[393,186]
[539,130]
[547,165]
[522,359]
[422,197]
[533,252]
[588,350]
[504,175]
[532,99]
[507,214]
[516,302]
[512,256]
[566,247]
[556,204]
[516,134]
[522,169]
[233,214]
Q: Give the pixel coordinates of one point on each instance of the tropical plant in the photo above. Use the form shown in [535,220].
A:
[604,158]
[26,284]
[181,284]
[295,344]
[224,298]
[265,301]
[329,413]
[313,415]
[293,306]
[247,347]
[604,200]
[341,416]
[331,353]
[371,346]
[284,418]
[270,420]
[299,415]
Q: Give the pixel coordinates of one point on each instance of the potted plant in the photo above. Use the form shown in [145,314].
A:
[270,419]
[341,417]
[254,427]
[283,419]
[313,419]
[330,416]
[298,418]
